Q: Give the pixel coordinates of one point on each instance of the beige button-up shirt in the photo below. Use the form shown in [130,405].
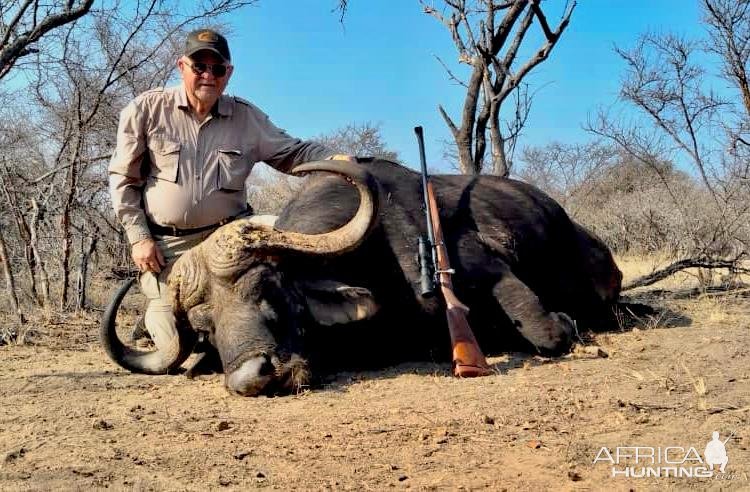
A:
[176,171]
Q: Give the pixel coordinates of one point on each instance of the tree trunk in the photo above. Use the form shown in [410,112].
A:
[463,135]
[481,46]
[467,162]
[480,131]
[34,244]
[83,272]
[500,165]
[10,283]
[465,159]
[65,229]
[745,89]
[23,229]
[65,261]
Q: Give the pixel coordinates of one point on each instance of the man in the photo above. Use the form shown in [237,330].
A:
[178,171]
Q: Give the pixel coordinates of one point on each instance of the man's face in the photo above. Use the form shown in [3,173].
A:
[204,87]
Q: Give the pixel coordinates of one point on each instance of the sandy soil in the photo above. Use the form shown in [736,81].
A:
[71,420]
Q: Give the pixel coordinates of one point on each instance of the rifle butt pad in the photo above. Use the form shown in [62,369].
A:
[468,361]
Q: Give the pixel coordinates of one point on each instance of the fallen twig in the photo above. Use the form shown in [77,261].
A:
[678,266]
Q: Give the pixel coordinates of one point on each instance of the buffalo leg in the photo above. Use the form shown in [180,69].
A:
[549,332]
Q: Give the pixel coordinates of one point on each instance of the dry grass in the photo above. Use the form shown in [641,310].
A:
[634,266]
[709,308]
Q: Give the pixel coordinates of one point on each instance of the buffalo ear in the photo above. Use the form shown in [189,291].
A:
[332,302]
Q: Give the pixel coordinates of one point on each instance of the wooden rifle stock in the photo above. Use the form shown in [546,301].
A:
[468,359]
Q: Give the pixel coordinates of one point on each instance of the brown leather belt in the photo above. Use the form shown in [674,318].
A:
[161,230]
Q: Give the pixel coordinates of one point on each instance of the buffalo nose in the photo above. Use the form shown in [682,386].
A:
[251,377]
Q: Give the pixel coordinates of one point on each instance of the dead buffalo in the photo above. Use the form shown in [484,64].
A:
[276,302]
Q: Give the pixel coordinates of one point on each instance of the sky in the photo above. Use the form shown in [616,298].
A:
[312,74]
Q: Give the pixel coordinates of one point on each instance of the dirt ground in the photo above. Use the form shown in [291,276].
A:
[71,420]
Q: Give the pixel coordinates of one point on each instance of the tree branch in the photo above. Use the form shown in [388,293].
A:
[448,121]
[678,266]
[538,57]
[450,73]
[10,53]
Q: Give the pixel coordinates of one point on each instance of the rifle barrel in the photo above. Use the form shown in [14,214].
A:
[425,199]
[468,359]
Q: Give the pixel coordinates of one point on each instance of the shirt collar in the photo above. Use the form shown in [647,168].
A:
[223,106]
[181,96]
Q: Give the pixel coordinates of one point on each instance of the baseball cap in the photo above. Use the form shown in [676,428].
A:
[207,39]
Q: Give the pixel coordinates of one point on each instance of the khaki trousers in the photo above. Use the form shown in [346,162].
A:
[159,317]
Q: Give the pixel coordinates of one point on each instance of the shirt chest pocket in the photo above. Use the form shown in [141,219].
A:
[233,169]
[165,159]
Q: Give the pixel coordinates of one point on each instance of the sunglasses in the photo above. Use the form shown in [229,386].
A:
[199,68]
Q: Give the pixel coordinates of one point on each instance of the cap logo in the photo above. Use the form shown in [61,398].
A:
[207,37]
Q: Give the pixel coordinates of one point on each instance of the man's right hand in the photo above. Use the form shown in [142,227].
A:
[147,256]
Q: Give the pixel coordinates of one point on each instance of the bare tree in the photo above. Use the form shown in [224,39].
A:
[341,8]
[680,119]
[269,190]
[10,283]
[488,35]
[620,198]
[729,32]
[10,194]
[566,172]
[360,140]
[26,22]
[728,23]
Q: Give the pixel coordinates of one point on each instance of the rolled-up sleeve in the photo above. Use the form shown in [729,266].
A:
[282,151]
[126,179]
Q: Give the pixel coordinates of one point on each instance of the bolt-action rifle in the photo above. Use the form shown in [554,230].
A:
[468,359]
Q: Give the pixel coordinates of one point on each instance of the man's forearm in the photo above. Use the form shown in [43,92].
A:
[297,153]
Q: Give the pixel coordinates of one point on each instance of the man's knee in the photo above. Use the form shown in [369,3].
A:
[159,317]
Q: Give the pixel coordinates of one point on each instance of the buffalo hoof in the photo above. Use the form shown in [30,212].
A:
[564,339]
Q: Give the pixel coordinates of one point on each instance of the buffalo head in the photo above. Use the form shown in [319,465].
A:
[233,287]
